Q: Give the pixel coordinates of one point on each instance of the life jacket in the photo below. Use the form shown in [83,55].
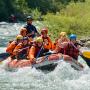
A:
[11,47]
[54,44]
[58,45]
[24,49]
[59,49]
[33,52]
[49,45]
[71,50]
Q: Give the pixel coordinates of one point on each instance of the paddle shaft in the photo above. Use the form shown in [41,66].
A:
[76,48]
[39,52]
[5,55]
[24,48]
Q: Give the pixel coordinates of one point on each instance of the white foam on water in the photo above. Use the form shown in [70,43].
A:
[2,49]
[62,78]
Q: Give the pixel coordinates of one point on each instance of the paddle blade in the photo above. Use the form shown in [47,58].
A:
[4,56]
[86,54]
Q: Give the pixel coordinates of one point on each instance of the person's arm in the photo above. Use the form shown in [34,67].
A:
[37,33]
[57,49]
[32,54]
[17,49]
[11,47]
[60,47]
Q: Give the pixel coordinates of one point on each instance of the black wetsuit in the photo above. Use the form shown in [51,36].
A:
[31,28]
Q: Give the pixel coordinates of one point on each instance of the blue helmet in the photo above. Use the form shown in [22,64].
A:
[73,36]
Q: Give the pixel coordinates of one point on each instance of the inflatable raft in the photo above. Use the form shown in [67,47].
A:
[48,62]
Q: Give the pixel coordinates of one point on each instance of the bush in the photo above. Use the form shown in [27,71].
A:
[74,19]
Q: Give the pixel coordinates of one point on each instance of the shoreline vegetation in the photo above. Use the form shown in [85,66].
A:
[75,18]
[72,16]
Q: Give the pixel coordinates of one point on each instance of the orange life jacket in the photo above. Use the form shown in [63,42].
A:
[49,44]
[24,49]
[33,52]
[11,47]
[54,44]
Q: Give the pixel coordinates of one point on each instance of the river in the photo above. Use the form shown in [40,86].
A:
[62,78]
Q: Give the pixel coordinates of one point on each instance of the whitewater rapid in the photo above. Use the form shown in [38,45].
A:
[62,78]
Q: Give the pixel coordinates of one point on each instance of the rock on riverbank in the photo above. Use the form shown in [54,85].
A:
[85,42]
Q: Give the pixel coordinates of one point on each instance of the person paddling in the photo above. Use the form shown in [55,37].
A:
[31,29]
[72,47]
[62,39]
[21,50]
[11,46]
[46,39]
[36,50]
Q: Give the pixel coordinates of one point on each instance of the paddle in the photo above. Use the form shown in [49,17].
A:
[43,58]
[39,52]
[86,56]
[4,56]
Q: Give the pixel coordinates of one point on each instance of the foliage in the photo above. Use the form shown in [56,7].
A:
[5,8]
[75,18]
[22,8]
[35,13]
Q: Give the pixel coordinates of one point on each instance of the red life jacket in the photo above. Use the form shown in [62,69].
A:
[71,50]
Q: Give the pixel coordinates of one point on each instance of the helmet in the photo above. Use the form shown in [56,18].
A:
[38,39]
[19,37]
[44,30]
[29,18]
[73,36]
[63,34]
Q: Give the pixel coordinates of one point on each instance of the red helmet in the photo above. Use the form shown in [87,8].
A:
[44,30]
